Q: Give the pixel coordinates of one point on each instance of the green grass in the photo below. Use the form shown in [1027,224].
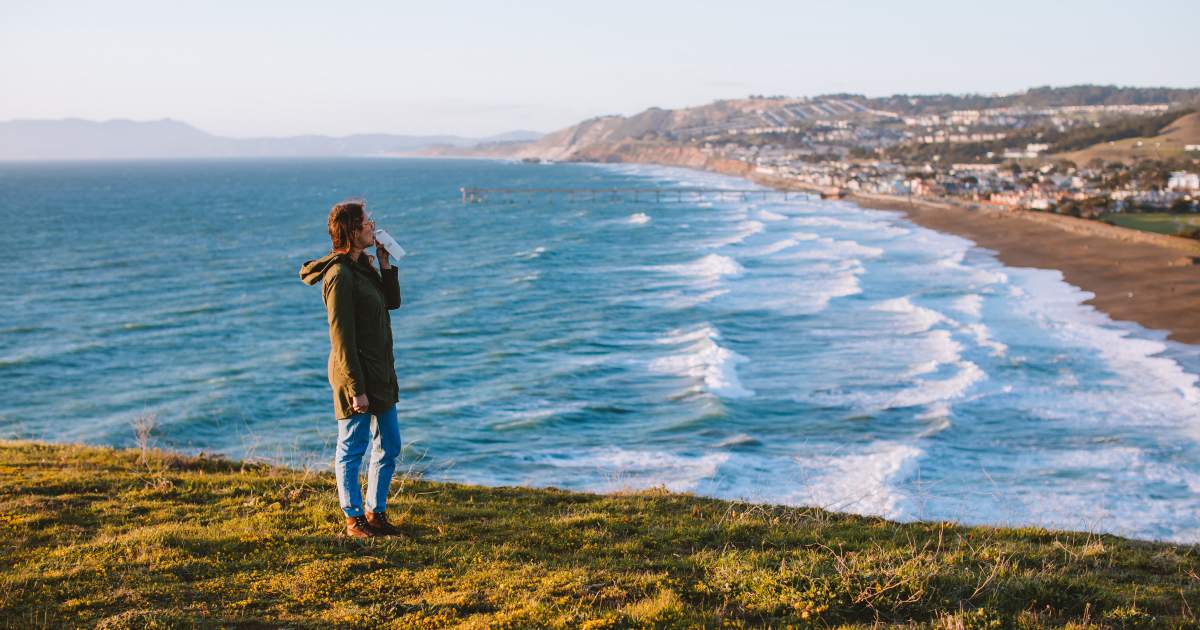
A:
[96,537]
[1159,222]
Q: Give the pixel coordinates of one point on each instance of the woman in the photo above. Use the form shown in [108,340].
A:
[362,369]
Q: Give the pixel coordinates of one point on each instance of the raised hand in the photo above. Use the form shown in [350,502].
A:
[384,259]
[359,404]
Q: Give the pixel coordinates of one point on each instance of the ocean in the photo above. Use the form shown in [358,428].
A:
[802,352]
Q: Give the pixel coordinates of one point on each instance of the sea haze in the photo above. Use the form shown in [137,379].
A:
[804,352]
[76,139]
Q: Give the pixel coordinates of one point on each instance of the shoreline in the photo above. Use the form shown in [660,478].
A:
[1152,280]
[1154,285]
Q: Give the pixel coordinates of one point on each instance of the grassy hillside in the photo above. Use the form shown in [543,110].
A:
[124,539]
[1168,143]
[1158,222]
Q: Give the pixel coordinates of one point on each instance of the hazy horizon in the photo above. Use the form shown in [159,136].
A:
[170,119]
[274,70]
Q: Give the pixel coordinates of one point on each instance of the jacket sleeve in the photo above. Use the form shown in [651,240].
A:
[339,307]
[391,286]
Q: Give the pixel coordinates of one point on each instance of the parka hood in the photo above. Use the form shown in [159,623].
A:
[313,271]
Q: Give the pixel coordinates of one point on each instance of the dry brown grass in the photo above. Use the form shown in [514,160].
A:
[1170,143]
[95,537]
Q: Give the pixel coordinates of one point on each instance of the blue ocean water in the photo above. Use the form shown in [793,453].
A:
[804,352]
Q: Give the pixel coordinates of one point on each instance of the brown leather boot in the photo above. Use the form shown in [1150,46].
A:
[379,522]
[358,527]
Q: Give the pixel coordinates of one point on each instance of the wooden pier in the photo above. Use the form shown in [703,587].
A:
[657,195]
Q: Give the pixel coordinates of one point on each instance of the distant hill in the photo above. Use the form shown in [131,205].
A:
[512,136]
[681,125]
[1038,97]
[125,139]
[1169,142]
[607,137]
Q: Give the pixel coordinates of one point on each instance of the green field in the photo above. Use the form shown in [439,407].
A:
[1159,222]
[102,538]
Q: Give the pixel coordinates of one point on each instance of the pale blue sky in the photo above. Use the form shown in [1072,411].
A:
[476,68]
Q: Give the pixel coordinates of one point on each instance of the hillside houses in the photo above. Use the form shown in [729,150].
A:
[1183,181]
[1003,186]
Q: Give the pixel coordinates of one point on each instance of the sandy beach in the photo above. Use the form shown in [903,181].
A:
[1156,284]
[1150,279]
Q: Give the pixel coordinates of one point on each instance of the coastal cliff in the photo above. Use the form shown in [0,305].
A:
[96,537]
[661,154]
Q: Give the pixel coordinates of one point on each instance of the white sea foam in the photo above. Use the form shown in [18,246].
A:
[771,248]
[682,336]
[935,351]
[834,249]
[804,293]
[686,299]
[620,468]
[940,346]
[931,391]
[938,410]
[711,367]
[920,319]
[1066,378]
[532,253]
[924,367]
[913,318]
[867,228]
[767,215]
[969,304]
[1108,492]
[744,230]
[639,218]
[527,278]
[978,275]
[840,281]
[863,482]
[809,291]
[987,276]
[931,371]
[741,439]
[1058,308]
[953,257]
[936,418]
[534,416]
[709,268]
[841,285]
[984,340]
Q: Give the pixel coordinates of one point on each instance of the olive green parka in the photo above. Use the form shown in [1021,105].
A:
[357,298]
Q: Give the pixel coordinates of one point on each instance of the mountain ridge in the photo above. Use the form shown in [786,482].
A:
[612,138]
[121,138]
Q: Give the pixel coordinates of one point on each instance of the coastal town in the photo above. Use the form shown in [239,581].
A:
[918,157]
[1124,156]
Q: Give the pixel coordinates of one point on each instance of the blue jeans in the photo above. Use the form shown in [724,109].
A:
[353,433]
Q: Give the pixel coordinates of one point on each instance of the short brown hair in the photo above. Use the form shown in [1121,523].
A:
[345,219]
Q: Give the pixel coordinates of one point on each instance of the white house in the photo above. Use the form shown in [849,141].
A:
[1184,181]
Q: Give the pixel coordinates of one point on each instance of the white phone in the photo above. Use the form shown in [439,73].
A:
[393,248]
